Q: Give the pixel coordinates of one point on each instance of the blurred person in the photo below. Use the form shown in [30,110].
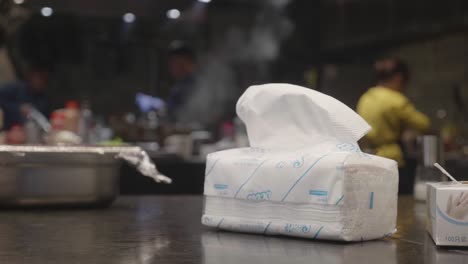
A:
[6,68]
[181,65]
[17,98]
[195,102]
[389,112]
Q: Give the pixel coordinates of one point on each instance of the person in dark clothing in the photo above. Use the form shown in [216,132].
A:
[182,63]
[19,97]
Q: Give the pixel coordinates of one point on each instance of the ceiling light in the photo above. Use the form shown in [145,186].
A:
[129,17]
[47,11]
[173,14]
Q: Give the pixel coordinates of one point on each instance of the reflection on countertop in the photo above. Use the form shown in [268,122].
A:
[224,247]
[167,229]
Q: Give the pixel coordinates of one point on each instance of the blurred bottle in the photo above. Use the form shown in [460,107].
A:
[85,125]
[59,133]
[32,131]
[150,125]
[430,152]
[57,122]
[100,132]
[72,116]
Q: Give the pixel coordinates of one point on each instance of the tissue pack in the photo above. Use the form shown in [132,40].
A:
[303,174]
[342,195]
[447,213]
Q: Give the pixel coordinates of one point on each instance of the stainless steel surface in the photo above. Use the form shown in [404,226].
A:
[38,176]
[167,229]
[431,152]
[134,156]
[67,175]
[67,149]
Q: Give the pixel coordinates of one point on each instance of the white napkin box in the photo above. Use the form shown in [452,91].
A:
[343,195]
[304,174]
[447,213]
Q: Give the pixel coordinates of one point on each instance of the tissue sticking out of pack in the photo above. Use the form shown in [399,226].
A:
[284,116]
[304,174]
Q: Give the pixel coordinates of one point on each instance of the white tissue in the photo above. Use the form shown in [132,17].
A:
[285,116]
[304,174]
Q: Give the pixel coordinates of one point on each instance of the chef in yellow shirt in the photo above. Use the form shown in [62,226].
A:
[389,112]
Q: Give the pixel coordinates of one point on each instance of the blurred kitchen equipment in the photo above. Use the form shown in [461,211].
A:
[199,138]
[150,125]
[32,130]
[58,134]
[36,126]
[53,178]
[47,175]
[151,147]
[180,144]
[85,124]
[40,119]
[431,151]
[72,116]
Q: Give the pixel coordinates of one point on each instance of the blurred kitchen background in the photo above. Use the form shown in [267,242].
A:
[109,59]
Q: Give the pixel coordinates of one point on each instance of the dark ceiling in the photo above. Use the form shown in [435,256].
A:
[146,8]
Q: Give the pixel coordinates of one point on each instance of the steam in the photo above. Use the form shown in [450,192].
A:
[240,59]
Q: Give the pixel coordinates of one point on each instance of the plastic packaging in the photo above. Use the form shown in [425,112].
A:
[304,174]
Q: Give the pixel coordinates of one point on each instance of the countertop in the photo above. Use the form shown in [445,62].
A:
[167,229]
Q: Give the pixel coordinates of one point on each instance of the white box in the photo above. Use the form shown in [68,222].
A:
[447,213]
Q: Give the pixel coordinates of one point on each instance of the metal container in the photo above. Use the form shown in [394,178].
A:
[431,150]
[58,176]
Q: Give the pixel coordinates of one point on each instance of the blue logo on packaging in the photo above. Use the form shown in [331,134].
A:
[265,195]
[221,186]
[318,192]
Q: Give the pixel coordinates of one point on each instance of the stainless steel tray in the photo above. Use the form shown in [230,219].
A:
[59,176]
